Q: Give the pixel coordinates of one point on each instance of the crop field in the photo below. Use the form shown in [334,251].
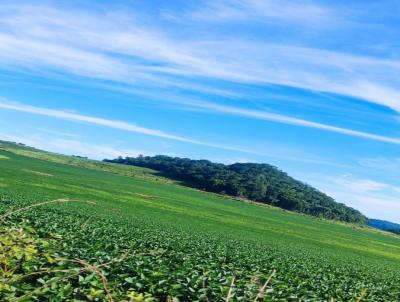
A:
[80,230]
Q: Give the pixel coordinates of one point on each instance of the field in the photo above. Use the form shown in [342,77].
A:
[116,233]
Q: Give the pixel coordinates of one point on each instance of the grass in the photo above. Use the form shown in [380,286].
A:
[193,243]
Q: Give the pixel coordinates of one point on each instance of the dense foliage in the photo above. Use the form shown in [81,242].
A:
[81,231]
[385,225]
[258,182]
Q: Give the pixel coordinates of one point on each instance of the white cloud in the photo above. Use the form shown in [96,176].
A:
[117,46]
[381,206]
[371,79]
[358,186]
[121,125]
[262,115]
[73,147]
[262,10]
[57,133]
[373,198]
[64,115]
[125,126]
[381,163]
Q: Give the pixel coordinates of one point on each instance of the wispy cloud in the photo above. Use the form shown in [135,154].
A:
[186,103]
[262,11]
[94,151]
[359,186]
[57,133]
[73,147]
[373,198]
[262,115]
[125,126]
[121,125]
[381,163]
[278,118]
[117,46]
[115,124]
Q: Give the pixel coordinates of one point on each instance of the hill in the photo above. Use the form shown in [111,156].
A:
[385,225]
[79,230]
[258,182]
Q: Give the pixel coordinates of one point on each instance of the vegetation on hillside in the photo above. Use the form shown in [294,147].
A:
[258,182]
[79,161]
[385,225]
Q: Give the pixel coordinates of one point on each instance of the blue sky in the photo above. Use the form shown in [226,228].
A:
[311,87]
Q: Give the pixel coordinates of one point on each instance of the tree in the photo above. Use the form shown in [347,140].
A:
[258,182]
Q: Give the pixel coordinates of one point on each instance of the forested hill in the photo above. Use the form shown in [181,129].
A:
[385,225]
[258,182]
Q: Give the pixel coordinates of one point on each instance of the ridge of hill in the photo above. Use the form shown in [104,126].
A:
[384,225]
[257,182]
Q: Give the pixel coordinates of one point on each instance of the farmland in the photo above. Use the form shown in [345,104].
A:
[106,232]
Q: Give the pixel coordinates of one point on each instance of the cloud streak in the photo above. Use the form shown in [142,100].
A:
[380,163]
[373,198]
[278,118]
[262,11]
[73,147]
[255,114]
[64,115]
[116,46]
[125,126]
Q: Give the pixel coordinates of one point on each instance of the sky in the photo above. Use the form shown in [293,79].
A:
[311,87]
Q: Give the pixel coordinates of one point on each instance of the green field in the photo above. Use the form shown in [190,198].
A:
[151,236]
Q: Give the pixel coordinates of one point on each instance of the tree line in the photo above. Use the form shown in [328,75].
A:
[384,225]
[257,182]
